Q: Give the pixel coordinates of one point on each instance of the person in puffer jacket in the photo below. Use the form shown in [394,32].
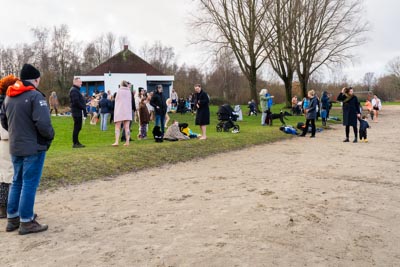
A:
[26,115]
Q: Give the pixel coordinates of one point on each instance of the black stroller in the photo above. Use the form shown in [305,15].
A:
[226,117]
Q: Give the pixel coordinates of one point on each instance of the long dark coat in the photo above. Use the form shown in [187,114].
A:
[312,109]
[351,107]
[203,111]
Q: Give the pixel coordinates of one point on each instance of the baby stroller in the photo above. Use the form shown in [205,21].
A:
[226,117]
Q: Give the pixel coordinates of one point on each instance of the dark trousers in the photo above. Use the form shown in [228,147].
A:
[308,122]
[77,129]
[363,134]
[348,131]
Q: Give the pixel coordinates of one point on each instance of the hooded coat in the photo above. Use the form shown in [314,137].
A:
[351,107]
[25,106]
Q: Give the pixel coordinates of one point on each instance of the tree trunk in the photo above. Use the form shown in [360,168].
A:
[253,85]
[288,91]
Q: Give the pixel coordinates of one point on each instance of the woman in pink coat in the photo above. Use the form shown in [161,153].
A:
[123,111]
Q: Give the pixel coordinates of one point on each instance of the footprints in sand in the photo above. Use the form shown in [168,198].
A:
[179,199]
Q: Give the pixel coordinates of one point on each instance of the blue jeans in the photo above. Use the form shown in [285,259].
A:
[160,121]
[27,174]
[103,121]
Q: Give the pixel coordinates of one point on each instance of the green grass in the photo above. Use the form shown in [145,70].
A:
[65,165]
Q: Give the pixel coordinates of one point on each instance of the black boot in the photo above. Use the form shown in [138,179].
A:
[3,212]
[31,227]
[12,224]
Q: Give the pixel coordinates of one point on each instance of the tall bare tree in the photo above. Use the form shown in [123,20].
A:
[326,33]
[41,48]
[110,40]
[394,67]
[369,80]
[281,18]
[236,24]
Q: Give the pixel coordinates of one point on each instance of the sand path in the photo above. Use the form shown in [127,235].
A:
[298,202]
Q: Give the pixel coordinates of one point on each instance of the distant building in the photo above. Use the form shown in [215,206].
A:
[125,66]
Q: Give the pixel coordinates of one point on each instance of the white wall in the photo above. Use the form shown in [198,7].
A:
[112,81]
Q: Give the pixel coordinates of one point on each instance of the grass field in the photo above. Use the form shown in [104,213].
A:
[65,165]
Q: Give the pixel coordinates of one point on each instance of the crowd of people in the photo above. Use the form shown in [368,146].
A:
[23,153]
[312,107]
[21,173]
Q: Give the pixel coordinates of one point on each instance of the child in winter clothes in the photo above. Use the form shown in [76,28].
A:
[363,129]
[144,116]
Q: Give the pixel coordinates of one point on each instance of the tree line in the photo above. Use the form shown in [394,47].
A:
[293,38]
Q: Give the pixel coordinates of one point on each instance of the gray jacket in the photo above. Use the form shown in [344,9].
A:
[25,114]
[312,109]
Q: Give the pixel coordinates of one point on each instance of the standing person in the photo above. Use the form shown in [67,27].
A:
[159,104]
[123,112]
[294,105]
[78,109]
[270,101]
[203,110]
[144,118]
[27,148]
[105,111]
[53,101]
[369,108]
[376,106]
[324,107]
[112,101]
[138,98]
[351,111]
[6,167]
[133,105]
[263,104]
[311,114]
[363,129]
[6,171]
[174,98]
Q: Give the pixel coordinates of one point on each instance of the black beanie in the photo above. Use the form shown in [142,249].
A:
[29,72]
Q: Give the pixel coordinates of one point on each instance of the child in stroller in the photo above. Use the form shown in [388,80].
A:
[226,117]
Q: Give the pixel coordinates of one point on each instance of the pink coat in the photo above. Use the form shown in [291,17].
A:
[123,105]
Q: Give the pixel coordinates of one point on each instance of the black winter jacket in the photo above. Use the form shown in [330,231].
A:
[26,116]
[159,103]
[77,102]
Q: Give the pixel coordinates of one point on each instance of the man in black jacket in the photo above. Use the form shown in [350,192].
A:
[25,114]
[78,109]
[160,107]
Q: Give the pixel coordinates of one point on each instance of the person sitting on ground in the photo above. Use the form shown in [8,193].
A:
[174,134]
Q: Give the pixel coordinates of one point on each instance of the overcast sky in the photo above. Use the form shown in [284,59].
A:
[165,20]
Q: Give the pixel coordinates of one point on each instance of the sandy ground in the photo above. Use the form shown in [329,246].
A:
[298,202]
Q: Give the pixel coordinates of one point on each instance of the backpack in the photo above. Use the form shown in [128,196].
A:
[158,135]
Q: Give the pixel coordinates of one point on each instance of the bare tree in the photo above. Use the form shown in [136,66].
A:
[281,18]
[122,41]
[326,32]
[41,48]
[8,62]
[162,57]
[110,39]
[394,67]
[369,80]
[236,24]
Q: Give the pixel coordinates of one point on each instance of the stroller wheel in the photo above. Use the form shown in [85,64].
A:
[219,128]
[236,127]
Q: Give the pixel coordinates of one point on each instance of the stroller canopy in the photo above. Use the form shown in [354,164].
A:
[226,112]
